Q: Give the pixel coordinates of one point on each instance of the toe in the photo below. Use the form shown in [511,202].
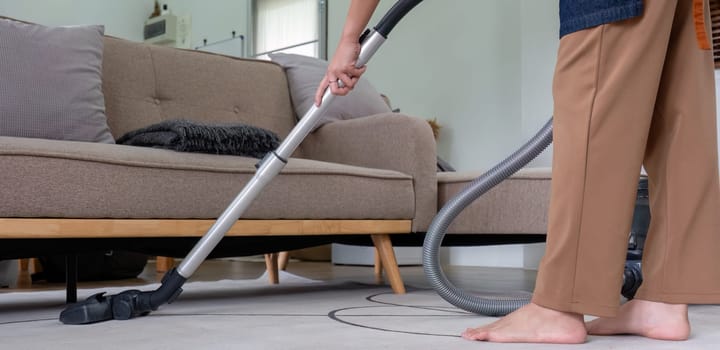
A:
[475,334]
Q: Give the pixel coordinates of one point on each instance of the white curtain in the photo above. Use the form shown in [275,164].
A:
[284,23]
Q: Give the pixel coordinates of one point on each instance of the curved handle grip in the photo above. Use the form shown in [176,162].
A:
[396,13]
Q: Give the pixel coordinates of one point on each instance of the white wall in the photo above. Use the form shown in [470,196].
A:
[211,19]
[457,61]
[540,28]
[122,19]
[482,68]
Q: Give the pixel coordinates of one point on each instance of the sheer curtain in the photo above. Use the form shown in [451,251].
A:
[291,26]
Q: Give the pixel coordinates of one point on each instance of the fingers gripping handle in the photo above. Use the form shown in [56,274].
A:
[370,43]
[307,123]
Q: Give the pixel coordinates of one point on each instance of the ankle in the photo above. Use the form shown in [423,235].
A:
[669,321]
[658,306]
[572,323]
[559,313]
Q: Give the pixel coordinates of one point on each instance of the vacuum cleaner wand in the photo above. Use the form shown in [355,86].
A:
[133,303]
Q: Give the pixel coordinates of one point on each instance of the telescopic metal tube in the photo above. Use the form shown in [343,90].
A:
[274,162]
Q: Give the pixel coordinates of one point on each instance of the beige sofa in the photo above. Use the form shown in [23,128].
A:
[368,176]
[373,175]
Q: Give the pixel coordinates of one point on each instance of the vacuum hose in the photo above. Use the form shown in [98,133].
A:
[489,305]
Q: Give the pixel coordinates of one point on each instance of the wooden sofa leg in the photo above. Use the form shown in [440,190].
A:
[271,264]
[378,267]
[24,265]
[24,279]
[389,262]
[36,265]
[164,264]
[283,259]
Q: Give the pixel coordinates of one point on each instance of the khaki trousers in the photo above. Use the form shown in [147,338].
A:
[631,93]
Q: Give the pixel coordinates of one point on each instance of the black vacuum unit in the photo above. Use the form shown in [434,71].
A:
[632,278]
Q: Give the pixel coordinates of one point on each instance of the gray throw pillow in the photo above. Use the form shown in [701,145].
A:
[304,75]
[51,82]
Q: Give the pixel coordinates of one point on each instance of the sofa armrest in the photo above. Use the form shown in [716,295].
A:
[384,141]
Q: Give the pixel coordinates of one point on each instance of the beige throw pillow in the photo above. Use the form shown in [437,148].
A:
[50,82]
[304,75]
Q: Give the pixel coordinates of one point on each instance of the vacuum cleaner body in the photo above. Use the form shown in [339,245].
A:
[632,277]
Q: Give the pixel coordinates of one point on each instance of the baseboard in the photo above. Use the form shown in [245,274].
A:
[343,254]
[526,256]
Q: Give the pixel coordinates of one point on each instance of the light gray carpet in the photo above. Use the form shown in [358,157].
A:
[297,314]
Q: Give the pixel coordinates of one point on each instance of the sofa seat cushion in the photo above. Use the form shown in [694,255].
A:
[517,205]
[65,179]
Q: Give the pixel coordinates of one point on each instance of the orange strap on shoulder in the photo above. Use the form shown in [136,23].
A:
[700,31]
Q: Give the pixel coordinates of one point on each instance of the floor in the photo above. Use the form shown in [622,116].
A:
[345,310]
[251,267]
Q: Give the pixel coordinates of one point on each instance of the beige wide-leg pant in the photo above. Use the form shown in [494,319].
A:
[631,93]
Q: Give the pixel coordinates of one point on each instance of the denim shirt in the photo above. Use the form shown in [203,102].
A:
[581,14]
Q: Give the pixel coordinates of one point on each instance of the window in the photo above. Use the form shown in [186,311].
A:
[291,26]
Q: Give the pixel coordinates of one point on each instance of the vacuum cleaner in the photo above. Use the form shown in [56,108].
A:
[134,303]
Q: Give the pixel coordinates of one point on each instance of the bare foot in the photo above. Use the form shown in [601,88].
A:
[645,318]
[533,323]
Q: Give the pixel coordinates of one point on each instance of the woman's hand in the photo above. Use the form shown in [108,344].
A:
[342,75]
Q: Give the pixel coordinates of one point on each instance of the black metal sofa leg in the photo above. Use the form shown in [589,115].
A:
[71,278]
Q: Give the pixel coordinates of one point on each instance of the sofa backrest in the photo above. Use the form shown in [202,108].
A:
[146,84]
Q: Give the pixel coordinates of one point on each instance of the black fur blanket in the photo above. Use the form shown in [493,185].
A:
[188,136]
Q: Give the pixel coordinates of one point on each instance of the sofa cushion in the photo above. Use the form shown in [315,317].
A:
[304,76]
[51,82]
[114,181]
[517,205]
[147,84]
